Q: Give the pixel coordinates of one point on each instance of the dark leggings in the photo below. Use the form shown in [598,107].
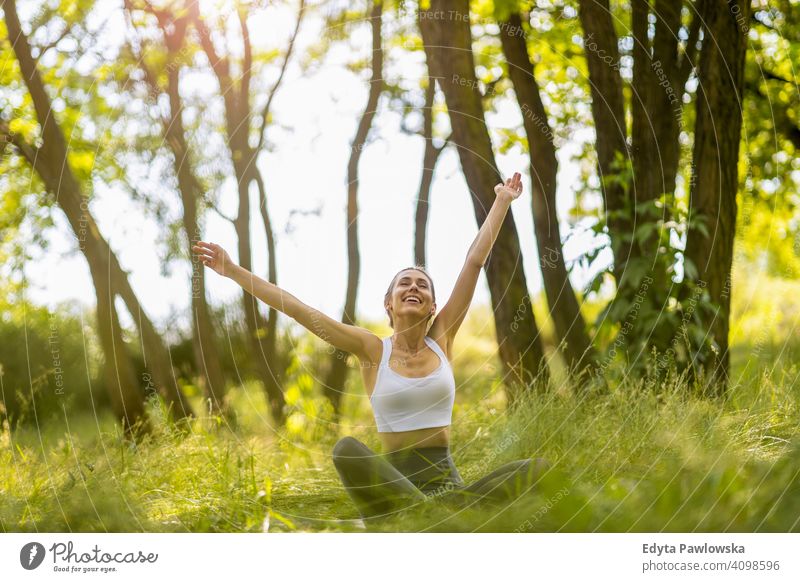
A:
[382,484]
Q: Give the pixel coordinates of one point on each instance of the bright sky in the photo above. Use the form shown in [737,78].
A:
[307,170]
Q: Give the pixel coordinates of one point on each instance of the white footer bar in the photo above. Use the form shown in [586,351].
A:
[400,557]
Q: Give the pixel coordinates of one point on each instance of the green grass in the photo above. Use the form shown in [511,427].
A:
[637,459]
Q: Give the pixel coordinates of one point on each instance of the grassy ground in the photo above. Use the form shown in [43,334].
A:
[638,459]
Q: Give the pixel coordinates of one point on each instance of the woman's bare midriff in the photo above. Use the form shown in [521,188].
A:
[424,437]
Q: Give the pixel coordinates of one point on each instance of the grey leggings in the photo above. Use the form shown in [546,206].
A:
[382,484]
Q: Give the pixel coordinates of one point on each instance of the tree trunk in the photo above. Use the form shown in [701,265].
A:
[203,338]
[270,358]
[173,26]
[429,159]
[668,94]
[570,326]
[657,87]
[337,373]
[715,164]
[127,396]
[608,111]
[448,44]
[262,345]
[154,351]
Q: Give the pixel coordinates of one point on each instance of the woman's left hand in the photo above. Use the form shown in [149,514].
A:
[511,190]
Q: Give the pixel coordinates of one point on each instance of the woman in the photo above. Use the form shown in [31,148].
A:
[408,379]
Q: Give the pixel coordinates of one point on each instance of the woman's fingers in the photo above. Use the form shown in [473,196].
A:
[207,256]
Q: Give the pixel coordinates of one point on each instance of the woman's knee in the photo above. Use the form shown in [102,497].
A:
[348,448]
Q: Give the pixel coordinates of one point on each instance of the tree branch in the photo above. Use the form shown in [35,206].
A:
[265,111]
[28,151]
[52,44]
[219,64]
[247,62]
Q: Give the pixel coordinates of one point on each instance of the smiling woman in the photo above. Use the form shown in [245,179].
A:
[407,377]
[403,280]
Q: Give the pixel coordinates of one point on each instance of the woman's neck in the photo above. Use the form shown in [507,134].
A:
[411,337]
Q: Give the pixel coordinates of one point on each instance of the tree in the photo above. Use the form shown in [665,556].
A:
[238,127]
[154,351]
[429,159]
[50,161]
[715,163]
[570,326]
[238,118]
[173,27]
[608,111]
[337,373]
[447,38]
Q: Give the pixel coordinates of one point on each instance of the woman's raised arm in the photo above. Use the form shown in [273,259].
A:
[358,341]
[446,324]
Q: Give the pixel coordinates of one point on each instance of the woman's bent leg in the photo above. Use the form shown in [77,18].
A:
[373,483]
[509,481]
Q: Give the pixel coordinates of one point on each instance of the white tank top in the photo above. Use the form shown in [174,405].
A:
[400,403]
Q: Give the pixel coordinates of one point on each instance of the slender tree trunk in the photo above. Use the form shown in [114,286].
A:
[645,183]
[270,361]
[203,338]
[668,93]
[429,159]
[608,111]
[570,326]
[657,87]
[261,335]
[173,25]
[272,272]
[337,373]
[97,250]
[262,344]
[448,44]
[127,397]
[715,165]
[154,351]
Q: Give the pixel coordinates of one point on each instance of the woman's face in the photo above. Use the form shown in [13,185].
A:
[412,295]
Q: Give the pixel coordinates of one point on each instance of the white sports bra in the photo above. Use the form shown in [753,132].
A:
[400,403]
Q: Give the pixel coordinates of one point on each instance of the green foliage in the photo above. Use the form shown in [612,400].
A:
[48,365]
[655,320]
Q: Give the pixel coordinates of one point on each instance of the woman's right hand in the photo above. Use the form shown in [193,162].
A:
[214,257]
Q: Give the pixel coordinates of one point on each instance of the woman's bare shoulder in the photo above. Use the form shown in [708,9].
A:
[437,334]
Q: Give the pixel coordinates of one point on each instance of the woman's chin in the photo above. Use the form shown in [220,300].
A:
[413,312]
